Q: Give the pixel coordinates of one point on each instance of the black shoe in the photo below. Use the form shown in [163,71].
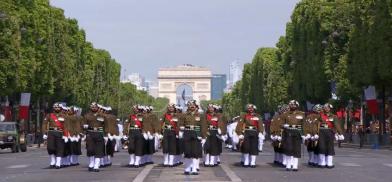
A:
[187,173]
[194,173]
[288,169]
[330,167]
[243,165]
[130,165]
[96,170]
[320,166]
[218,162]
[170,166]
[110,164]
[253,166]
[136,166]
[58,167]
[52,166]
[180,163]
[90,169]
[206,165]
[197,169]
[295,170]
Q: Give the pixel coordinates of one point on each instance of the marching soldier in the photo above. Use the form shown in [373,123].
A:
[111,132]
[150,125]
[133,132]
[169,122]
[311,134]
[66,159]
[193,131]
[180,141]
[75,129]
[213,145]
[292,135]
[95,143]
[328,126]
[53,128]
[222,131]
[249,129]
[276,134]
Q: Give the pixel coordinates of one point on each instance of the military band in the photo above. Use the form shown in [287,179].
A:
[189,135]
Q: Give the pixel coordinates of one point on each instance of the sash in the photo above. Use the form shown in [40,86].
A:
[213,123]
[137,121]
[326,119]
[255,123]
[59,124]
[169,117]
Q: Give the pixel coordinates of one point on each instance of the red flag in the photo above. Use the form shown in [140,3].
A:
[24,106]
[371,99]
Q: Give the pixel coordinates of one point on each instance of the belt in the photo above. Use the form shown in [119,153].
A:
[250,128]
[212,127]
[192,127]
[96,129]
[295,127]
[168,127]
[134,128]
[324,126]
[55,129]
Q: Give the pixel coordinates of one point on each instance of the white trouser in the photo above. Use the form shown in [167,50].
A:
[52,160]
[188,164]
[58,161]
[322,161]
[171,160]
[91,164]
[289,162]
[295,163]
[212,160]
[207,159]
[246,159]
[253,160]
[131,159]
[97,162]
[165,159]
[329,160]
[137,160]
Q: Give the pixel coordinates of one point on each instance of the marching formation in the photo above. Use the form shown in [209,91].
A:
[185,137]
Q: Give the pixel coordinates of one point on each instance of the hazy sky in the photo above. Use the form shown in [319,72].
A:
[144,35]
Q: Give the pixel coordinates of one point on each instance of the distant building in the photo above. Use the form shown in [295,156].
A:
[137,80]
[152,88]
[185,82]
[235,74]
[218,85]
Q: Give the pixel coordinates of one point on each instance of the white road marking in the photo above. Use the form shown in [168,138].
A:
[18,166]
[350,164]
[143,174]
[388,165]
[230,173]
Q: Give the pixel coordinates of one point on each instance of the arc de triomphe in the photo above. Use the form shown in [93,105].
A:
[185,82]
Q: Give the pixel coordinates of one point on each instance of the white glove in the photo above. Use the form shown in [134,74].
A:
[241,137]
[150,137]
[125,137]
[235,139]
[261,136]
[279,138]
[72,139]
[45,137]
[106,139]
[203,141]
[84,137]
[224,137]
[182,128]
[85,126]
[308,137]
[181,134]
[316,137]
[219,131]
[199,138]
[341,137]
[145,135]
[110,136]
[286,126]
[303,138]
[336,137]
[65,139]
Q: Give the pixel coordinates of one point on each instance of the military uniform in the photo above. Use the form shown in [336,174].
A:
[213,145]
[169,123]
[75,129]
[111,131]
[292,137]
[150,126]
[249,129]
[327,128]
[311,136]
[276,131]
[53,129]
[194,130]
[95,143]
[133,130]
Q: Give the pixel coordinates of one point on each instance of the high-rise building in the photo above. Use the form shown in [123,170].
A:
[152,88]
[234,72]
[218,85]
[137,80]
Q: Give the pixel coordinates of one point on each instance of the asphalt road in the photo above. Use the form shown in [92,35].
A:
[352,165]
